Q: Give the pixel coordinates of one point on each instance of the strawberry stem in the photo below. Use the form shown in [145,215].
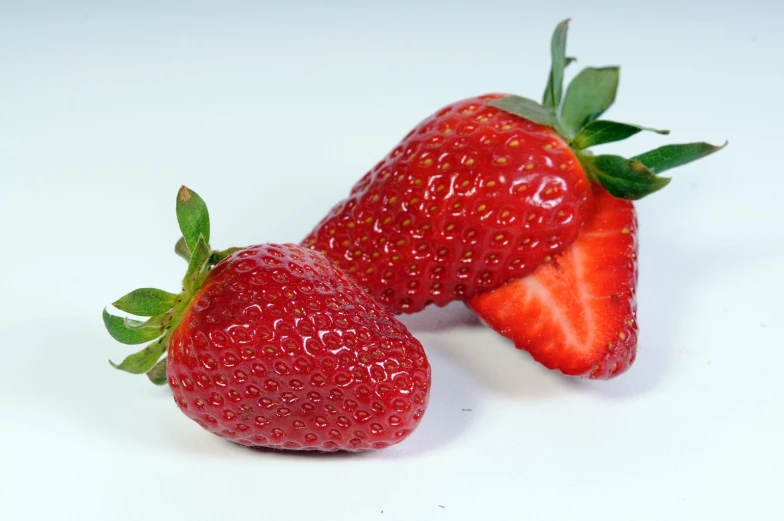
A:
[575,118]
[166,309]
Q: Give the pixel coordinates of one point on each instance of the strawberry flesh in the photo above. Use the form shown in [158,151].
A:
[577,313]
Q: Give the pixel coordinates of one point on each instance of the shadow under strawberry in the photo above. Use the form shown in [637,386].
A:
[671,276]
[434,319]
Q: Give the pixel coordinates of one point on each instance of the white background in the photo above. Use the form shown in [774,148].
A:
[271,110]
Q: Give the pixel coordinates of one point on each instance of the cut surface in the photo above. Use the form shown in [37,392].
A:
[577,314]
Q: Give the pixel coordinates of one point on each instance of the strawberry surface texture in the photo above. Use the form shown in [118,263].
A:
[281,349]
[472,197]
[498,201]
[483,202]
[274,346]
[488,188]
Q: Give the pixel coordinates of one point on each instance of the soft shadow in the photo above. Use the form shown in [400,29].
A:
[453,407]
[492,362]
[269,452]
[433,318]
[457,336]
[669,277]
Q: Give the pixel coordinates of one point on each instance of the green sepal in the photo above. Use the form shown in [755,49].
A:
[181,249]
[624,178]
[603,131]
[146,302]
[547,99]
[128,331]
[554,90]
[144,360]
[197,266]
[671,156]
[526,108]
[167,310]
[574,115]
[193,217]
[157,374]
[588,96]
[217,256]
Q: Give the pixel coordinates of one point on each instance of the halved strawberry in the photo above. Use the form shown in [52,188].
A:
[488,188]
[577,313]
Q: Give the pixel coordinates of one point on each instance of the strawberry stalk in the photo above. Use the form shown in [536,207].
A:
[575,117]
[164,309]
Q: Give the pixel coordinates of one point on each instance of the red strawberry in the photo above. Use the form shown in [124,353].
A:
[471,197]
[276,347]
[577,314]
[486,189]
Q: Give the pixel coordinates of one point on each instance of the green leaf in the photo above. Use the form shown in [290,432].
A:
[129,331]
[554,90]
[589,95]
[146,302]
[193,217]
[144,360]
[181,249]
[217,256]
[671,156]
[526,108]
[624,178]
[604,131]
[547,99]
[198,263]
[157,374]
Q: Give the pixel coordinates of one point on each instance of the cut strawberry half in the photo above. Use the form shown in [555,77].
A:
[577,313]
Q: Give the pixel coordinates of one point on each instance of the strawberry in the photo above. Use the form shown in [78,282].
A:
[471,197]
[486,189]
[275,347]
[577,314]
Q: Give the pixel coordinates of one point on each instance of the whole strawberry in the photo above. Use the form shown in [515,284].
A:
[487,189]
[276,347]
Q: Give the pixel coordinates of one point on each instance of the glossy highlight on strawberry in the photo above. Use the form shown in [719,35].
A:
[273,346]
[471,197]
[283,350]
[487,189]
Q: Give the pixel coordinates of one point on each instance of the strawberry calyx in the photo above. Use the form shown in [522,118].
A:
[163,309]
[574,115]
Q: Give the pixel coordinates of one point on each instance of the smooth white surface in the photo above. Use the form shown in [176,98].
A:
[271,111]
